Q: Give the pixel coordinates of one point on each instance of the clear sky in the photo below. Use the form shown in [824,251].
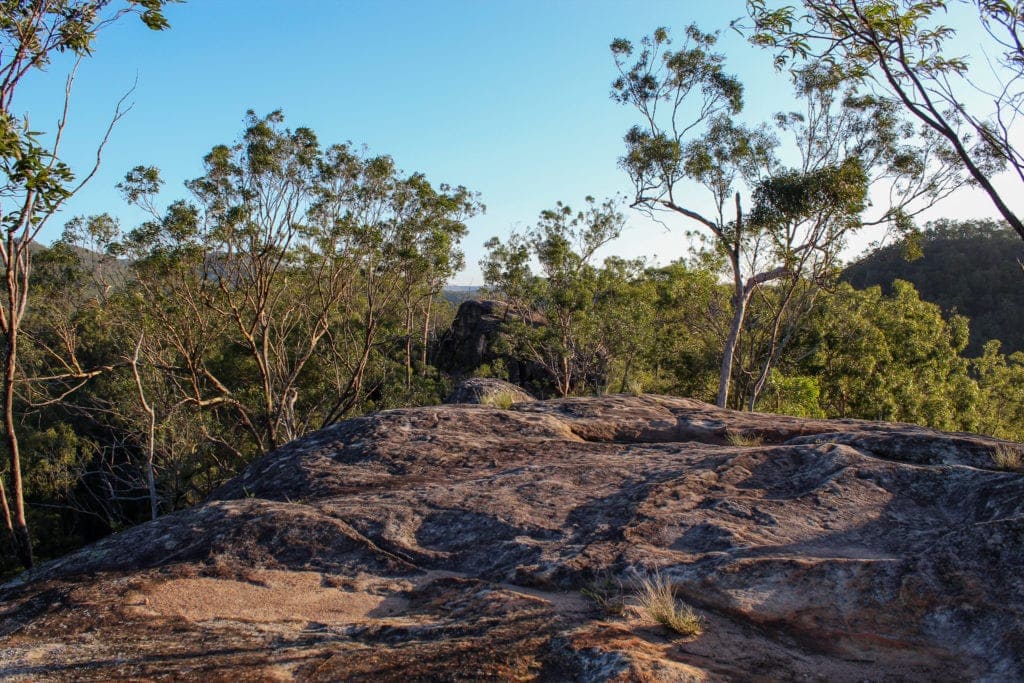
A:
[507,98]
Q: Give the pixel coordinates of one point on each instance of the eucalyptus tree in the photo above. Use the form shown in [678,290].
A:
[904,51]
[427,256]
[801,214]
[850,149]
[402,236]
[686,101]
[555,314]
[37,182]
[295,257]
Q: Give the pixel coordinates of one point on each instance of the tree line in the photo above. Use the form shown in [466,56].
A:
[815,348]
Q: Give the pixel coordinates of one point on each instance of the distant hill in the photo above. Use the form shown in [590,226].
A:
[456,294]
[968,267]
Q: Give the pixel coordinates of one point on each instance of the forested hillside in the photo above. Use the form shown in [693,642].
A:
[972,268]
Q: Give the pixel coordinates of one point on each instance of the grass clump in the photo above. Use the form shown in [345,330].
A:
[1007,458]
[499,399]
[657,597]
[606,592]
[741,439]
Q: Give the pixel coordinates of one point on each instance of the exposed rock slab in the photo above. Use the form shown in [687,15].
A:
[452,543]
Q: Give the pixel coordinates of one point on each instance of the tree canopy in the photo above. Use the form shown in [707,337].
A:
[908,52]
[971,268]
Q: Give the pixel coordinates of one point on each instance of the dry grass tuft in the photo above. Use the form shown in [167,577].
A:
[657,597]
[741,439]
[1007,458]
[606,591]
[499,399]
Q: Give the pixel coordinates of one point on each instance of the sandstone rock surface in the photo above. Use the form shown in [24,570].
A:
[452,543]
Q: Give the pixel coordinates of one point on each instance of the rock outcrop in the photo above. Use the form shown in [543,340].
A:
[466,345]
[474,340]
[488,391]
[457,542]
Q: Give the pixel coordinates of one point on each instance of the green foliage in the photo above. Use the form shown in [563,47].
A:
[572,317]
[686,333]
[798,395]
[54,467]
[967,267]
[497,369]
[790,196]
[1001,384]
[891,358]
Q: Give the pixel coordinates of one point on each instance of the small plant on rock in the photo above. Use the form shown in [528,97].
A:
[499,399]
[606,591]
[657,597]
[741,439]
[1007,458]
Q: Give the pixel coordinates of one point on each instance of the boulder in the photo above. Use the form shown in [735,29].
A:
[475,339]
[466,542]
[488,391]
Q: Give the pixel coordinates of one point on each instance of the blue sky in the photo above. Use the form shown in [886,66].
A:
[507,98]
